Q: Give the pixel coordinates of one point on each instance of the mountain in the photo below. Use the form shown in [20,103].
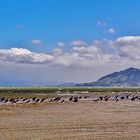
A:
[68,84]
[127,77]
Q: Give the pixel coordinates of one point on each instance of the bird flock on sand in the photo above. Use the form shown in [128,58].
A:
[74,99]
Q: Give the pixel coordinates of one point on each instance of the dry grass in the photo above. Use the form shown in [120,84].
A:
[71,121]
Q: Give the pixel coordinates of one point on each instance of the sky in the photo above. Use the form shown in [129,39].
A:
[46,42]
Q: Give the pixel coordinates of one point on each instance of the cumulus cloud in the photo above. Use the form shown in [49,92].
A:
[127,41]
[125,49]
[104,43]
[57,52]
[36,42]
[78,43]
[100,52]
[77,56]
[129,47]
[20,55]
[91,60]
[61,44]
[111,30]
[83,56]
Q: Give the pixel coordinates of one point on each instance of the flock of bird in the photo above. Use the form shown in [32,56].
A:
[35,100]
[118,97]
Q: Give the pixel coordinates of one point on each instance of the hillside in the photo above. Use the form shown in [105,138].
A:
[127,77]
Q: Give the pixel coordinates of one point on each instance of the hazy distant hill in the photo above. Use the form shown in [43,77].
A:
[68,84]
[128,77]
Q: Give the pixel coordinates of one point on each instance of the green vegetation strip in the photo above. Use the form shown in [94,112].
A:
[64,89]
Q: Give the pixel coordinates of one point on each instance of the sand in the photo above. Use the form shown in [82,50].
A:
[85,120]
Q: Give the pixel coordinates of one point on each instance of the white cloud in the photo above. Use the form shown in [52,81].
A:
[111,30]
[36,42]
[101,23]
[100,52]
[78,43]
[127,41]
[20,55]
[77,56]
[128,47]
[83,63]
[57,52]
[104,43]
[61,44]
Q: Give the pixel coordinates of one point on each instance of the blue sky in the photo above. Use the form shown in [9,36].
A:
[57,37]
[52,21]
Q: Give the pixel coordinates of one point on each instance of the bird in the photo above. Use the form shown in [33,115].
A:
[107,98]
[62,101]
[101,98]
[122,97]
[86,97]
[80,97]
[75,99]
[71,98]
[6,100]
[57,99]
[37,100]
[42,100]
[51,100]
[34,98]
[127,96]
[96,100]
[133,98]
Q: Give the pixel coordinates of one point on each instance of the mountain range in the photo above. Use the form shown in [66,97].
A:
[124,78]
